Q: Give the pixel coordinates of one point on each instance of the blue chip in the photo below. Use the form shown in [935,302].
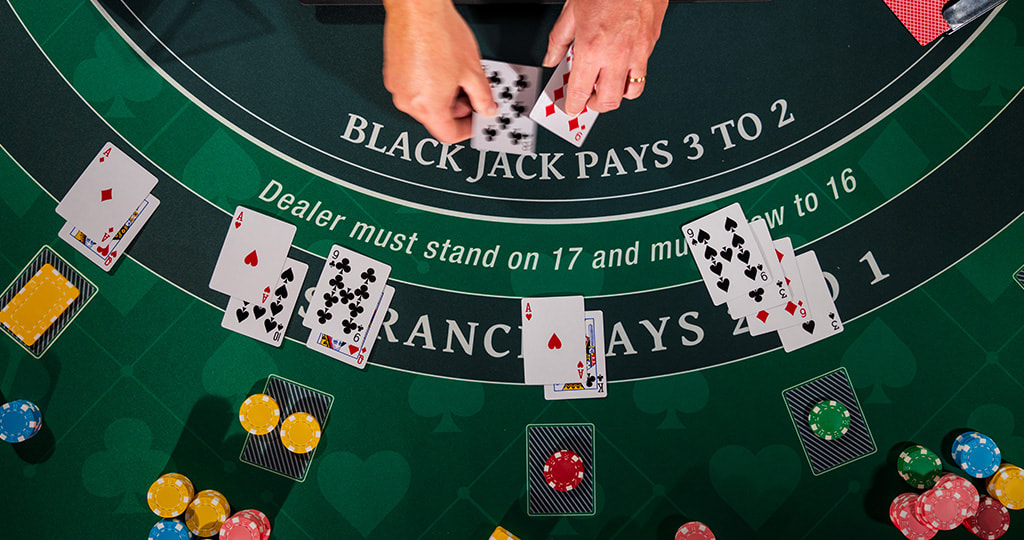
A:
[170,529]
[978,455]
[19,420]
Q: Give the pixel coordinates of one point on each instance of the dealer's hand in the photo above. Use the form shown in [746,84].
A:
[613,40]
[432,67]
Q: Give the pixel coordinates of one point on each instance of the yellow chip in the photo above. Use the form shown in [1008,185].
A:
[300,433]
[259,414]
[207,513]
[501,534]
[38,304]
[170,495]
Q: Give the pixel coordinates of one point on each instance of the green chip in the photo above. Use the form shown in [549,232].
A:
[829,419]
[919,466]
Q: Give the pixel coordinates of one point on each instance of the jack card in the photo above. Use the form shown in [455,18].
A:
[108,251]
[592,382]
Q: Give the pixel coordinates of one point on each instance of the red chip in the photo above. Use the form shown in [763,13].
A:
[563,471]
[907,521]
[240,527]
[991,521]
[965,492]
[940,509]
[694,530]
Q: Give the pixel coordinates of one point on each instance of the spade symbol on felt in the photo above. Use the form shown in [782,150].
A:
[808,327]
[554,343]
[726,254]
[730,225]
[723,284]
[252,259]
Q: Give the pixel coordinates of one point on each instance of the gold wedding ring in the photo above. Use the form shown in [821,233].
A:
[638,79]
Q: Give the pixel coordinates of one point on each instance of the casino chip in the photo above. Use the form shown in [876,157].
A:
[241,527]
[829,419]
[919,466]
[940,509]
[563,471]
[976,454]
[694,530]
[207,513]
[905,518]
[300,433]
[38,304]
[20,420]
[260,518]
[965,492]
[1007,485]
[259,414]
[170,495]
[991,521]
[170,529]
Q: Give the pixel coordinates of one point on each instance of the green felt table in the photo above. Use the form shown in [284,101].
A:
[898,165]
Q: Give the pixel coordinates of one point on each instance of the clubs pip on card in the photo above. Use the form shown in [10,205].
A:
[346,296]
[592,380]
[252,256]
[553,339]
[268,321]
[727,256]
[106,194]
[108,251]
[550,108]
[515,90]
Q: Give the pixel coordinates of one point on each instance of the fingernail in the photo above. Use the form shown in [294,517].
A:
[549,61]
[492,110]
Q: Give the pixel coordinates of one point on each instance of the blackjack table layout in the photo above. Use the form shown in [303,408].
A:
[898,165]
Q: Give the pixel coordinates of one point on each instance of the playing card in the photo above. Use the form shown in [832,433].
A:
[553,339]
[795,309]
[346,296]
[515,90]
[727,256]
[340,349]
[107,192]
[111,246]
[922,17]
[550,108]
[775,292]
[592,380]
[252,256]
[268,321]
[825,321]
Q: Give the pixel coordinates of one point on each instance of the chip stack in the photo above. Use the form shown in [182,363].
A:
[300,433]
[259,414]
[694,530]
[246,525]
[903,514]
[976,454]
[170,495]
[170,529]
[991,521]
[1007,485]
[919,466]
[207,513]
[945,506]
[20,420]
